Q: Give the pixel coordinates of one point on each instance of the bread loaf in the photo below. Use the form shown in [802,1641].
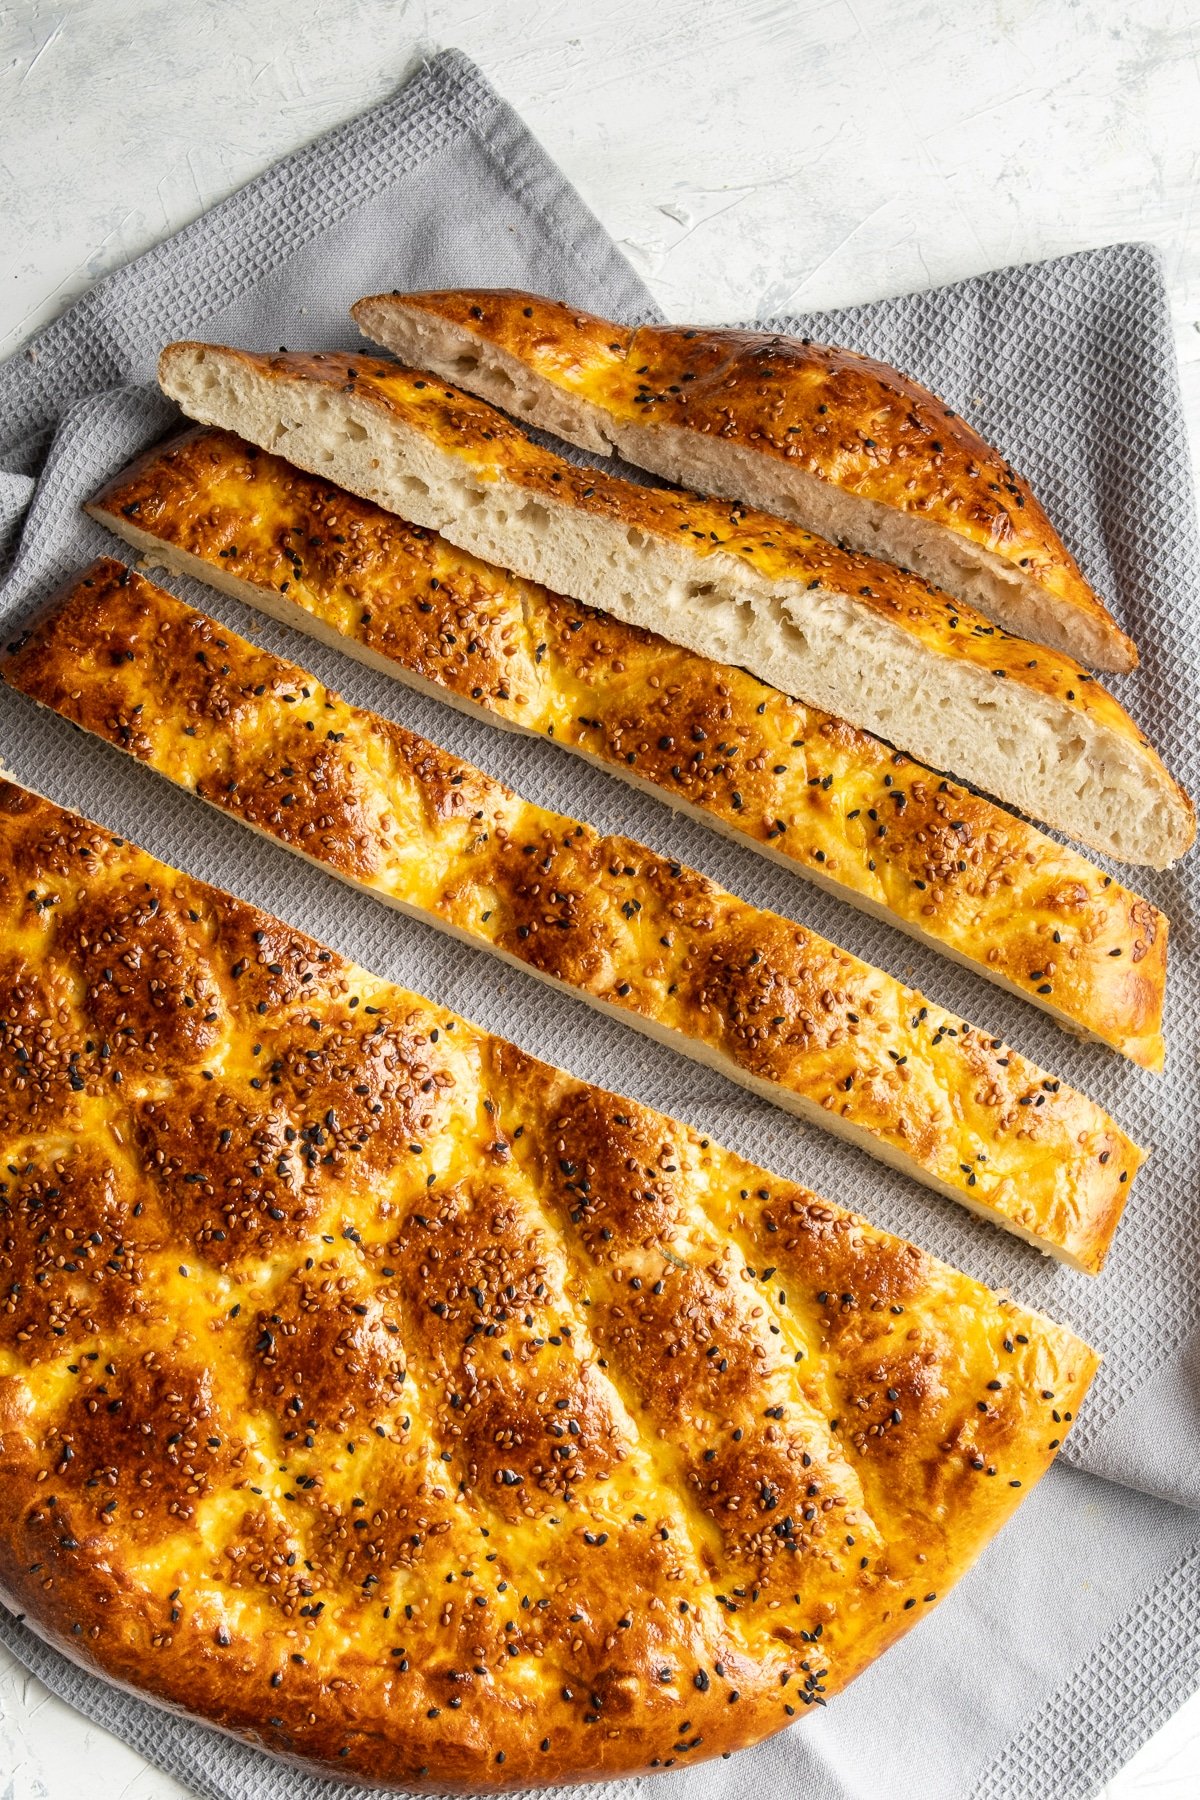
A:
[838,442]
[808,790]
[846,633]
[425,1416]
[755,995]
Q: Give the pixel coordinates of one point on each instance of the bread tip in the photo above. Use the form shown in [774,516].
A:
[172,353]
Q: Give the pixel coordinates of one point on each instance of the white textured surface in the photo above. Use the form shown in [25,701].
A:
[749,155]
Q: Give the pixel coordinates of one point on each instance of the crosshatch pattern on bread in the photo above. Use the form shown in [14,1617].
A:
[420,1413]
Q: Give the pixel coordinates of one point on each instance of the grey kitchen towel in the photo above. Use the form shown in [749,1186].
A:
[1080,1627]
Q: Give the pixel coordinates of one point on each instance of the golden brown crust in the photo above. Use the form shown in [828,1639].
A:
[844,808]
[843,417]
[766,999]
[355,1431]
[489,449]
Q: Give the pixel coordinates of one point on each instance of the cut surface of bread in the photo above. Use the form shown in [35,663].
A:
[838,442]
[759,997]
[808,790]
[849,634]
[420,1413]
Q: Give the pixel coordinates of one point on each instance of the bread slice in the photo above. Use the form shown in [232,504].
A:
[809,791]
[349,1350]
[755,995]
[848,634]
[835,441]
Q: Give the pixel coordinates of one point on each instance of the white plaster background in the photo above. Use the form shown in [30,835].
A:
[749,155]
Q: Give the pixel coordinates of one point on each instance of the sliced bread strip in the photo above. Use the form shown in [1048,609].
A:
[753,994]
[846,633]
[808,790]
[836,441]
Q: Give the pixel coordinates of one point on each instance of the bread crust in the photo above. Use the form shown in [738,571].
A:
[845,632]
[356,1368]
[830,802]
[756,413]
[763,999]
